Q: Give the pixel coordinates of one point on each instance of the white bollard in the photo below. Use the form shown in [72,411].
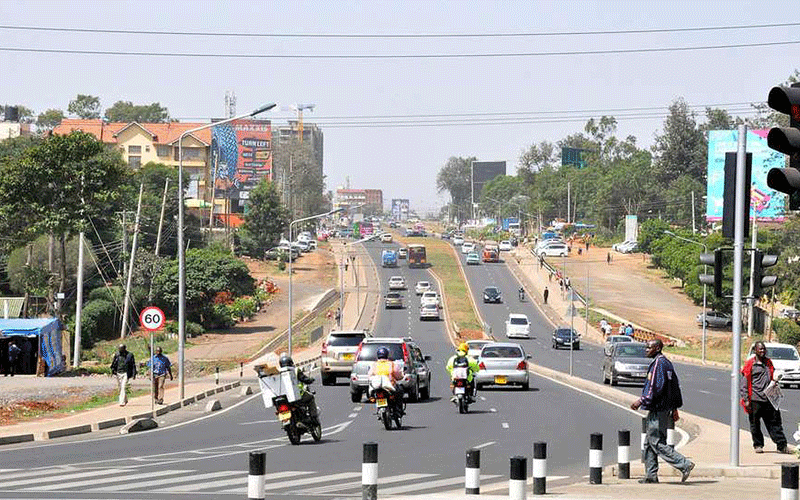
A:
[789,480]
[540,468]
[518,478]
[596,458]
[369,472]
[255,480]
[472,472]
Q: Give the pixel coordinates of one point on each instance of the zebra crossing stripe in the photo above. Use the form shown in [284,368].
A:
[160,482]
[431,484]
[297,482]
[92,481]
[22,473]
[240,481]
[357,484]
[62,477]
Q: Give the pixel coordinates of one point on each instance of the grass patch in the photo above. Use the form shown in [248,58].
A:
[717,349]
[101,355]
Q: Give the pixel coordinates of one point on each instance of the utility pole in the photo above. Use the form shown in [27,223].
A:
[126,305]
[124,243]
[158,239]
[76,357]
[569,188]
[694,229]
[751,301]
[738,244]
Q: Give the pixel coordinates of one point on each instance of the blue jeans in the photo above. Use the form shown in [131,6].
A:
[656,444]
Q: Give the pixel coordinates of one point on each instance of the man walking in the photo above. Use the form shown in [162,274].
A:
[661,396]
[123,367]
[161,367]
[13,357]
[757,374]
[545,294]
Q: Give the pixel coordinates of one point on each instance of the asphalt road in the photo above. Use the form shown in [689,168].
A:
[706,390]
[208,456]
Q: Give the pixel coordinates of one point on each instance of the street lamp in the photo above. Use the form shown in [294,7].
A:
[291,259]
[705,250]
[181,245]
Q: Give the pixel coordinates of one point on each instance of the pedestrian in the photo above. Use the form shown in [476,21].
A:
[545,294]
[629,330]
[339,316]
[757,374]
[661,397]
[587,245]
[621,329]
[567,283]
[27,357]
[161,366]
[550,277]
[608,258]
[123,367]
[13,357]
[604,326]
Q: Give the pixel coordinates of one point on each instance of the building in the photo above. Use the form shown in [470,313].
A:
[346,198]
[374,201]
[14,129]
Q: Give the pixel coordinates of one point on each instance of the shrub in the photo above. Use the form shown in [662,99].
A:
[787,330]
[171,328]
[220,317]
[97,322]
[243,307]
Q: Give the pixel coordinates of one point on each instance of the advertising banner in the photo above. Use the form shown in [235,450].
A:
[400,209]
[483,172]
[241,155]
[766,203]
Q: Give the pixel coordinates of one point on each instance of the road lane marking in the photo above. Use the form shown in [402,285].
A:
[431,484]
[128,477]
[505,425]
[484,445]
[357,408]
[493,410]
[298,482]
[357,484]
[73,475]
[352,415]
[231,482]
[259,422]
[483,398]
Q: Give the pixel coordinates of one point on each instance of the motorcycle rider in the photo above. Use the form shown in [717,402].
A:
[303,380]
[461,359]
[521,294]
[387,368]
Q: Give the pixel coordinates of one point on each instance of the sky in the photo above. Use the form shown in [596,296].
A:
[391,123]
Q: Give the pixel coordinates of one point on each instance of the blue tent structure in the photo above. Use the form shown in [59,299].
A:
[48,333]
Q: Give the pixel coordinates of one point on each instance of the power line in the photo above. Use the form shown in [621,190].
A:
[398,35]
[209,55]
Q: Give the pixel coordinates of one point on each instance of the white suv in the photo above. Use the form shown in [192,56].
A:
[397,283]
[422,287]
[430,297]
[339,353]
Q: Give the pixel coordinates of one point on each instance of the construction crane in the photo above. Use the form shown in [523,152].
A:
[300,108]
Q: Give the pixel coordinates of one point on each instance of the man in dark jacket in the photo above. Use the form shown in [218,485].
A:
[123,367]
[13,357]
[661,397]
[757,373]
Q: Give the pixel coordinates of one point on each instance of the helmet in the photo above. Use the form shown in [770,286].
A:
[286,361]
[463,349]
[383,353]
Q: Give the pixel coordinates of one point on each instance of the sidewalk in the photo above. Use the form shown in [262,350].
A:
[362,292]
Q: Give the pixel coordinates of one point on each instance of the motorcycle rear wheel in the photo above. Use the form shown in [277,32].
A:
[462,405]
[316,432]
[387,420]
[294,434]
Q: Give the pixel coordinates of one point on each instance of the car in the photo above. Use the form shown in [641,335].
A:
[492,294]
[468,247]
[394,300]
[397,283]
[446,235]
[339,353]
[505,246]
[626,246]
[312,244]
[474,347]
[503,364]
[626,362]
[564,336]
[785,360]
[715,319]
[615,339]
[430,297]
[458,239]
[429,311]
[790,313]
[545,244]
[402,253]
[557,250]
[518,326]
[386,238]
[406,353]
[422,287]
[473,259]
[302,245]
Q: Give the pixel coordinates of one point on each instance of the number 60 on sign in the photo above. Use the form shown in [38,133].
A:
[151,318]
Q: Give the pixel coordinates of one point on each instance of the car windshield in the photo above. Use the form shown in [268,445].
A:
[501,352]
[491,290]
[423,284]
[393,295]
[518,321]
[369,351]
[430,307]
[783,353]
[476,344]
[632,351]
[564,332]
[614,340]
[345,339]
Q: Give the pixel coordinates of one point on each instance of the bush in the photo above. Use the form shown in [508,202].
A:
[171,328]
[220,317]
[787,330]
[97,322]
[243,307]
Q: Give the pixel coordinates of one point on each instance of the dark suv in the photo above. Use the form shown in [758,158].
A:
[417,380]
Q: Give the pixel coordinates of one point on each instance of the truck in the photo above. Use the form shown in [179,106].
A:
[512,225]
[491,251]
[389,258]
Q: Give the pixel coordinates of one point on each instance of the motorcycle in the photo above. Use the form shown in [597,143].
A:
[461,390]
[296,420]
[389,404]
[521,295]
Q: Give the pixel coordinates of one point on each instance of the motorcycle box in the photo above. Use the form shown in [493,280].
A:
[283,383]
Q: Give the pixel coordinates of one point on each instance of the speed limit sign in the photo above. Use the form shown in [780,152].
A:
[152,318]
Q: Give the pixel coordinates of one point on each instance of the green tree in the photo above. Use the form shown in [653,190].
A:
[126,111]
[681,149]
[85,106]
[298,177]
[498,192]
[455,177]
[48,120]
[266,218]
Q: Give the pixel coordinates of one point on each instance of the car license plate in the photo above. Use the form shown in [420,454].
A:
[499,379]
[458,390]
[347,357]
[641,374]
[382,403]
[284,416]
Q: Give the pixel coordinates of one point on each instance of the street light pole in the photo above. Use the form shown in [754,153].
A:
[705,270]
[181,244]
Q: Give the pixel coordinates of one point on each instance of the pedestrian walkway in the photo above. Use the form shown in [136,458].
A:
[361,289]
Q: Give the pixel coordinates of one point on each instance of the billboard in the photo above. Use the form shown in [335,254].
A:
[483,172]
[768,204]
[400,209]
[241,155]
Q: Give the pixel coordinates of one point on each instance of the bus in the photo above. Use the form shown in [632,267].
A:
[416,255]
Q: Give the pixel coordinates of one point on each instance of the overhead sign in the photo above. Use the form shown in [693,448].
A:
[151,318]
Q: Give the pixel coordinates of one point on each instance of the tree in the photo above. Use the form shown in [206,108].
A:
[298,177]
[266,218]
[498,192]
[85,106]
[682,148]
[126,111]
[455,177]
[48,120]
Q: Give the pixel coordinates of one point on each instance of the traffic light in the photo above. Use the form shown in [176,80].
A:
[715,280]
[787,141]
[760,281]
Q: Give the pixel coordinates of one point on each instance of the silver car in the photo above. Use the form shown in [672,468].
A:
[715,319]
[339,353]
[429,311]
[405,352]
[502,364]
[626,362]
[615,339]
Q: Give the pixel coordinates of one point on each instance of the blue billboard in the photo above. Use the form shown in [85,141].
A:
[768,204]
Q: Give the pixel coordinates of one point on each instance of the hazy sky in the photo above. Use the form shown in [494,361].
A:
[471,105]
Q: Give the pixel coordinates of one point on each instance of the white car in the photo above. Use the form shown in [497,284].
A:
[518,326]
[386,238]
[560,250]
[422,287]
[397,283]
[627,246]
[785,360]
[547,243]
[458,240]
[505,246]
[430,297]
[468,247]
[312,244]
[429,311]
[475,347]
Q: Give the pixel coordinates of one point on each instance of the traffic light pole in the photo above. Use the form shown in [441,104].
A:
[738,246]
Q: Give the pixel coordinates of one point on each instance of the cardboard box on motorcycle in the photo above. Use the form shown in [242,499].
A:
[277,382]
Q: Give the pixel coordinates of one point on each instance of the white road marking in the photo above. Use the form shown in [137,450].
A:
[352,415]
[149,484]
[493,410]
[301,482]
[484,445]
[74,475]
[357,484]
[259,422]
[483,398]
[231,482]
[357,408]
[505,425]
[430,484]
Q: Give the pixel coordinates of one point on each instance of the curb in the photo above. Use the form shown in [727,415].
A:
[107,424]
